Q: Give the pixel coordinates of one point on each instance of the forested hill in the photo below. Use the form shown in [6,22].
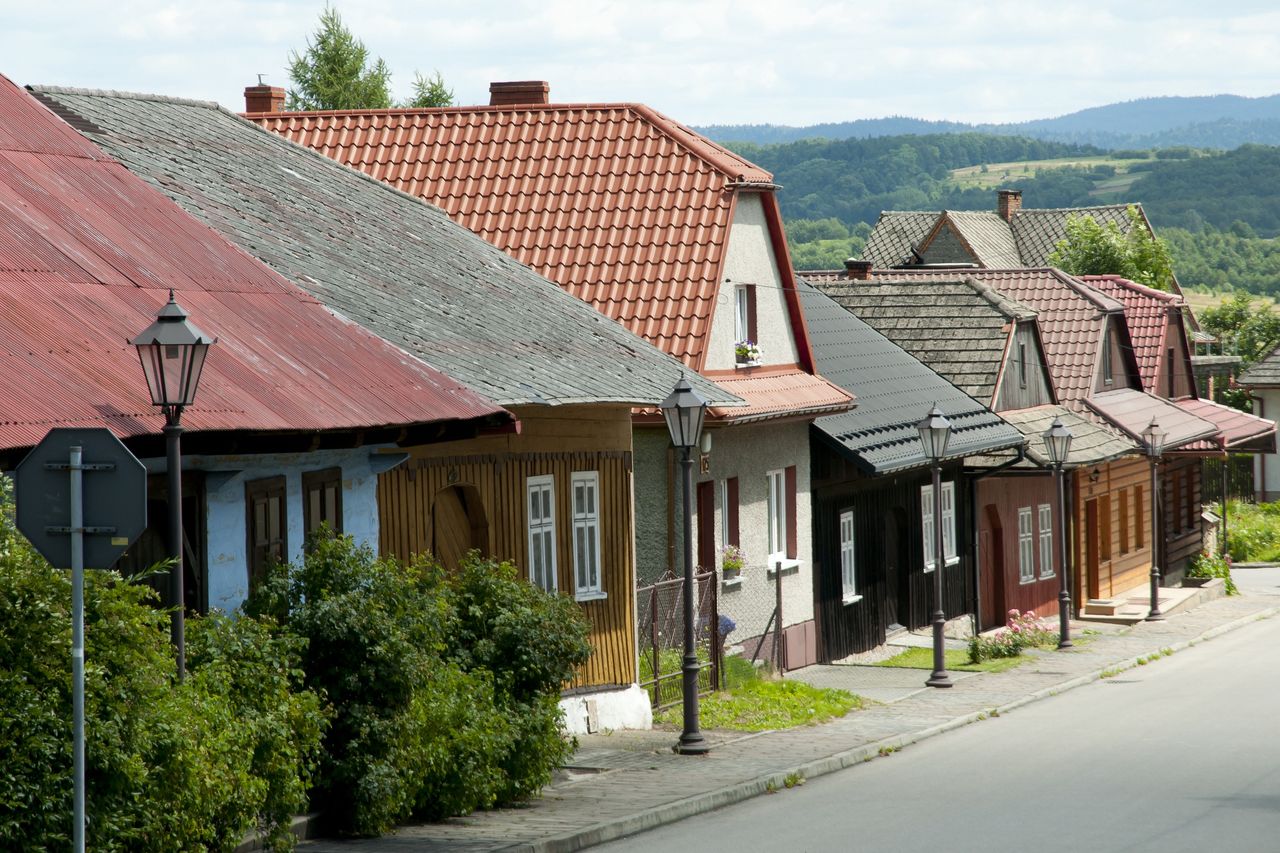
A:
[1216,121]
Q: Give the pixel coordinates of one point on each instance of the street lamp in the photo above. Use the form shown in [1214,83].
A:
[1057,444]
[684,410]
[172,352]
[1154,438]
[935,432]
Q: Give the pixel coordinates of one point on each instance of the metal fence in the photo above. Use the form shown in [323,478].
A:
[660,626]
[1239,479]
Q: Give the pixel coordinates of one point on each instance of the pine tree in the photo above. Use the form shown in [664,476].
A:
[430,92]
[334,73]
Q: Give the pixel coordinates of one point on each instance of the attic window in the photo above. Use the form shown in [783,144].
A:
[744,315]
[1106,356]
[1022,365]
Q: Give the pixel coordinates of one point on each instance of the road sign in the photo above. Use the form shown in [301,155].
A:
[115,497]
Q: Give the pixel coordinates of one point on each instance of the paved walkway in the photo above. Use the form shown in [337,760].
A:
[627,782]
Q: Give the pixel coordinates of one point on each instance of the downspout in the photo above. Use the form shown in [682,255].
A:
[973,502]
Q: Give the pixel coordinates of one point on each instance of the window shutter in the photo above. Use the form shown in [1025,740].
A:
[752,334]
[792,551]
[732,511]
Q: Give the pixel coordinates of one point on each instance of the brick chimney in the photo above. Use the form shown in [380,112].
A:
[519,93]
[263,99]
[857,270]
[1007,203]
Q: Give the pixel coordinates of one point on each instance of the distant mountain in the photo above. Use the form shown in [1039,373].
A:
[1215,121]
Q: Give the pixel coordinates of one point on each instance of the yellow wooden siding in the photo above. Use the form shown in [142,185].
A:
[556,443]
[1124,571]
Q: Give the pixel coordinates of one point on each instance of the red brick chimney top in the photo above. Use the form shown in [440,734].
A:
[857,270]
[263,99]
[1008,203]
[519,93]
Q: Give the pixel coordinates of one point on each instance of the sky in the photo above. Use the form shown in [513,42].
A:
[793,62]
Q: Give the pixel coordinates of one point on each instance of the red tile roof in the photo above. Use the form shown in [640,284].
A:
[620,205]
[772,393]
[1146,310]
[88,253]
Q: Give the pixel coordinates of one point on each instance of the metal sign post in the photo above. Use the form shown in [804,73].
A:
[47,496]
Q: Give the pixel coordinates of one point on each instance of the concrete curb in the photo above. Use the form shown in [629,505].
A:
[711,800]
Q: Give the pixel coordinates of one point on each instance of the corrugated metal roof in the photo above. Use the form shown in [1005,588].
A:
[88,253]
[391,263]
[1132,411]
[622,206]
[780,393]
[894,392]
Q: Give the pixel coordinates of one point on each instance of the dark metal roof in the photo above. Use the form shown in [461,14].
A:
[88,254]
[894,392]
[387,260]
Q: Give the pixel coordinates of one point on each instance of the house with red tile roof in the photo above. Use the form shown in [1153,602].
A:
[677,239]
[298,410]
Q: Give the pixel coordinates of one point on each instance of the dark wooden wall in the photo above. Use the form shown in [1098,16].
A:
[1182,507]
[887,534]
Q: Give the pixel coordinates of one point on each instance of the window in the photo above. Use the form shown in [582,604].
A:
[586,535]
[1124,521]
[847,574]
[321,501]
[744,316]
[948,523]
[777,510]
[1106,356]
[1026,547]
[1022,365]
[1046,541]
[266,526]
[1139,529]
[541,500]
[729,511]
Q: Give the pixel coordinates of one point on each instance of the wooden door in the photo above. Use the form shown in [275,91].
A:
[1091,547]
[897,568]
[457,524]
[707,525]
[991,553]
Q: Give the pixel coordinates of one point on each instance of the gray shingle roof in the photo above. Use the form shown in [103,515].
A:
[1092,443]
[959,328]
[894,392]
[1264,373]
[1026,241]
[388,261]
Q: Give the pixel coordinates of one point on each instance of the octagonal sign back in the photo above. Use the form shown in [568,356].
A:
[113,497]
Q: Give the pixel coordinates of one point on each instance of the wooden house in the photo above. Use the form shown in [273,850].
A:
[675,238]
[554,496]
[872,487]
[297,411]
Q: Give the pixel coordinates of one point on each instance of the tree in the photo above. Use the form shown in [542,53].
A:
[334,73]
[430,92]
[1251,330]
[1093,249]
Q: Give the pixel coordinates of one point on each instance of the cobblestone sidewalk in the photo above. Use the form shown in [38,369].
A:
[628,782]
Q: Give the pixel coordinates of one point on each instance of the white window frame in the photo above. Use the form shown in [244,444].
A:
[848,558]
[586,521]
[776,511]
[1026,546]
[741,318]
[1046,540]
[948,523]
[724,513]
[541,530]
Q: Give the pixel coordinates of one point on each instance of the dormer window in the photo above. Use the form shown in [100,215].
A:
[1106,356]
[744,322]
[1022,365]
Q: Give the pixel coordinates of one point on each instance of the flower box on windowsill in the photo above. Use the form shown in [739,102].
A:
[746,354]
[741,365]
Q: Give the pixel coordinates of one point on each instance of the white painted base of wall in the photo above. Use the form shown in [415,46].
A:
[607,710]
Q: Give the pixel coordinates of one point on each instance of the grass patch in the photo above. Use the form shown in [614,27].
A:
[751,703]
[956,659]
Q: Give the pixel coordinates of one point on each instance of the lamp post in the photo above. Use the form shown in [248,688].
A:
[1154,437]
[1057,444]
[684,410]
[172,352]
[935,432]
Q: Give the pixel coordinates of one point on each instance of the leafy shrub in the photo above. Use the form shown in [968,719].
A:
[1253,532]
[1021,631]
[168,766]
[1206,565]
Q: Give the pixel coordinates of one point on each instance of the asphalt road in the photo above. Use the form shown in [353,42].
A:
[1182,754]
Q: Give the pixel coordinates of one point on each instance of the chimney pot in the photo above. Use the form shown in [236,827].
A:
[263,99]
[519,93]
[1008,202]
[857,270]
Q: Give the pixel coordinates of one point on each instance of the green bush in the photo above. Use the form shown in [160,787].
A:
[1206,565]
[168,766]
[1253,532]
[444,687]
[1022,631]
